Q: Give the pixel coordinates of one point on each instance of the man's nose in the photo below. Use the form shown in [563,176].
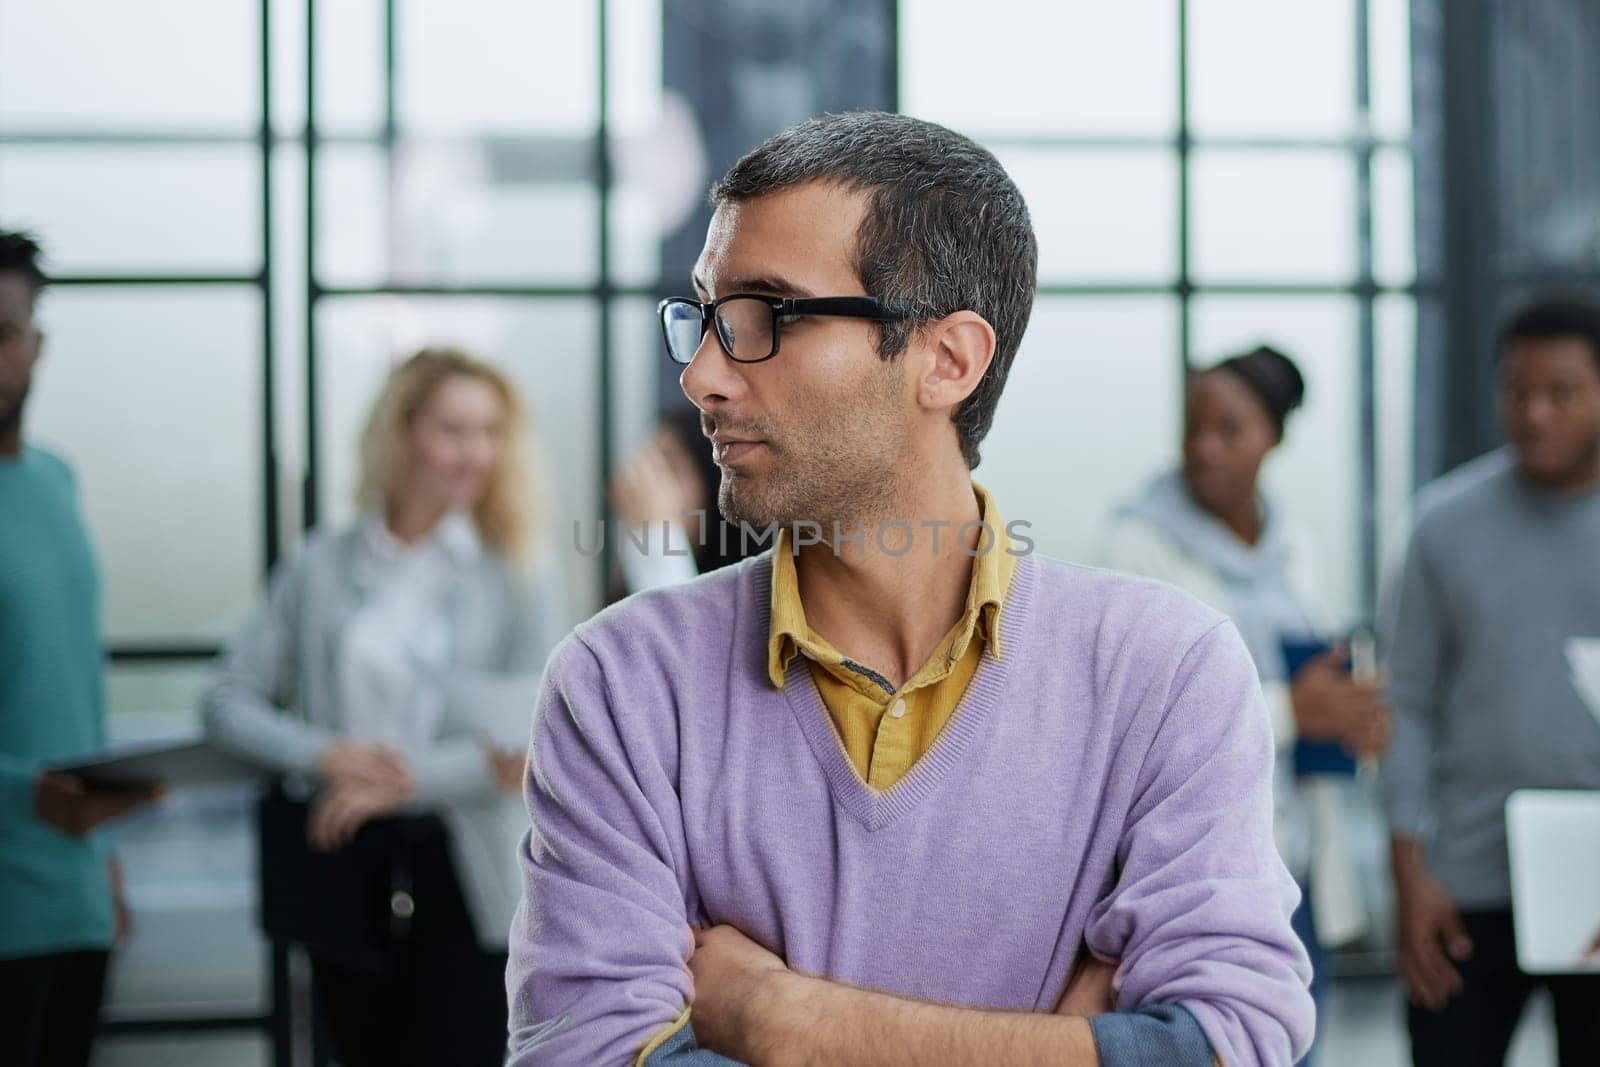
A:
[711,378]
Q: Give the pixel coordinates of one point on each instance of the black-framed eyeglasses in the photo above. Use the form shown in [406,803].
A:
[748,325]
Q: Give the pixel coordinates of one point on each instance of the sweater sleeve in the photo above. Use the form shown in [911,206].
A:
[1132,547]
[599,944]
[1200,913]
[244,709]
[1416,644]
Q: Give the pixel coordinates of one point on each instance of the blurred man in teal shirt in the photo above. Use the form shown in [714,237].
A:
[60,897]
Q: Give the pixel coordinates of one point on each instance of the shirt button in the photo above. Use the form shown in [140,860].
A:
[899,709]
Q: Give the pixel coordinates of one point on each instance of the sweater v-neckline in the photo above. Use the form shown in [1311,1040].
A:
[875,808]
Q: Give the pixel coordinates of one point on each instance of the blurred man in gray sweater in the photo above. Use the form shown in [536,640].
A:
[1503,569]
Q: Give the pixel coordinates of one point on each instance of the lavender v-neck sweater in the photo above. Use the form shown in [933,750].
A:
[1108,781]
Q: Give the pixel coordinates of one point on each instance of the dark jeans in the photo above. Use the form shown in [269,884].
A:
[49,1008]
[1476,1026]
[441,999]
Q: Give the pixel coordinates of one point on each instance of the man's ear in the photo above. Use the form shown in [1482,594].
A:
[959,349]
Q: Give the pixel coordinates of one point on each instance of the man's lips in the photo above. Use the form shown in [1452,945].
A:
[729,449]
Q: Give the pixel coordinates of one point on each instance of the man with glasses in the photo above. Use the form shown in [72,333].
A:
[894,791]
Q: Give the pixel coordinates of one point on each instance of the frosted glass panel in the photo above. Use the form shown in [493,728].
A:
[489,66]
[1021,67]
[657,179]
[1268,67]
[163,694]
[460,213]
[350,64]
[1394,260]
[1100,215]
[635,374]
[633,68]
[96,64]
[1089,413]
[154,397]
[1389,52]
[1274,216]
[104,209]
[547,347]
[1396,333]
[1313,474]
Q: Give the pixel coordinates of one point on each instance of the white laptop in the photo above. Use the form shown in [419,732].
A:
[1554,837]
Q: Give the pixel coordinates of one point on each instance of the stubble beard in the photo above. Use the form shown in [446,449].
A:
[848,472]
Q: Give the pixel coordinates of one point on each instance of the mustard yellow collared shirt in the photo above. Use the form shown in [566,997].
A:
[886,730]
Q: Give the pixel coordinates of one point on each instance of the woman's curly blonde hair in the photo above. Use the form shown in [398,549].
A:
[503,515]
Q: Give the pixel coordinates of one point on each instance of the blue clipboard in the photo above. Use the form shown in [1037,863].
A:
[1315,758]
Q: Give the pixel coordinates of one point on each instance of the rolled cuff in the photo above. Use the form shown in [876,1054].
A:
[1156,1035]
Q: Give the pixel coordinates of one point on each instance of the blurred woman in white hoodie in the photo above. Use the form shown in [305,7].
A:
[390,678]
[1207,528]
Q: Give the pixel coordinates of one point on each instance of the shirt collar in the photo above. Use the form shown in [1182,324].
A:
[455,535]
[789,634]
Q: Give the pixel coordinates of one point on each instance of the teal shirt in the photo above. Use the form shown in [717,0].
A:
[55,894]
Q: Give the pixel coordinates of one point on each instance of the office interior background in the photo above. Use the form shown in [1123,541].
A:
[253,208]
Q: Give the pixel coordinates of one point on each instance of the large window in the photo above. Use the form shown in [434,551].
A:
[1203,175]
[253,209]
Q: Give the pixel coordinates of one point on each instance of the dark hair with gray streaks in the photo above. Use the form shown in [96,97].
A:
[945,229]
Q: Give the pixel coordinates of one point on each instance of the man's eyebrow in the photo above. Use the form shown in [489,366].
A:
[762,283]
[767,283]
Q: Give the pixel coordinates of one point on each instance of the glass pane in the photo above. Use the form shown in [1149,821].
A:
[547,347]
[1019,67]
[1100,216]
[1389,56]
[1396,334]
[155,698]
[99,64]
[635,375]
[498,66]
[1394,236]
[350,65]
[189,865]
[235,1050]
[654,145]
[1089,412]
[636,234]
[289,239]
[633,67]
[1313,476]
[350,73]
[1273,216]
[154,397]
[458,213]
[109,209]
[190,870]
[1264,67]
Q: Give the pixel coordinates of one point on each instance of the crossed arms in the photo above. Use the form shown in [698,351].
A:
[604,960]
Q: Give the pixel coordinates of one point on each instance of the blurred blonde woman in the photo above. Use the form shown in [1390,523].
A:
[389,679]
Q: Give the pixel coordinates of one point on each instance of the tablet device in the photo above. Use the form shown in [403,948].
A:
[1554,839]
[176,764]
[1315,758]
